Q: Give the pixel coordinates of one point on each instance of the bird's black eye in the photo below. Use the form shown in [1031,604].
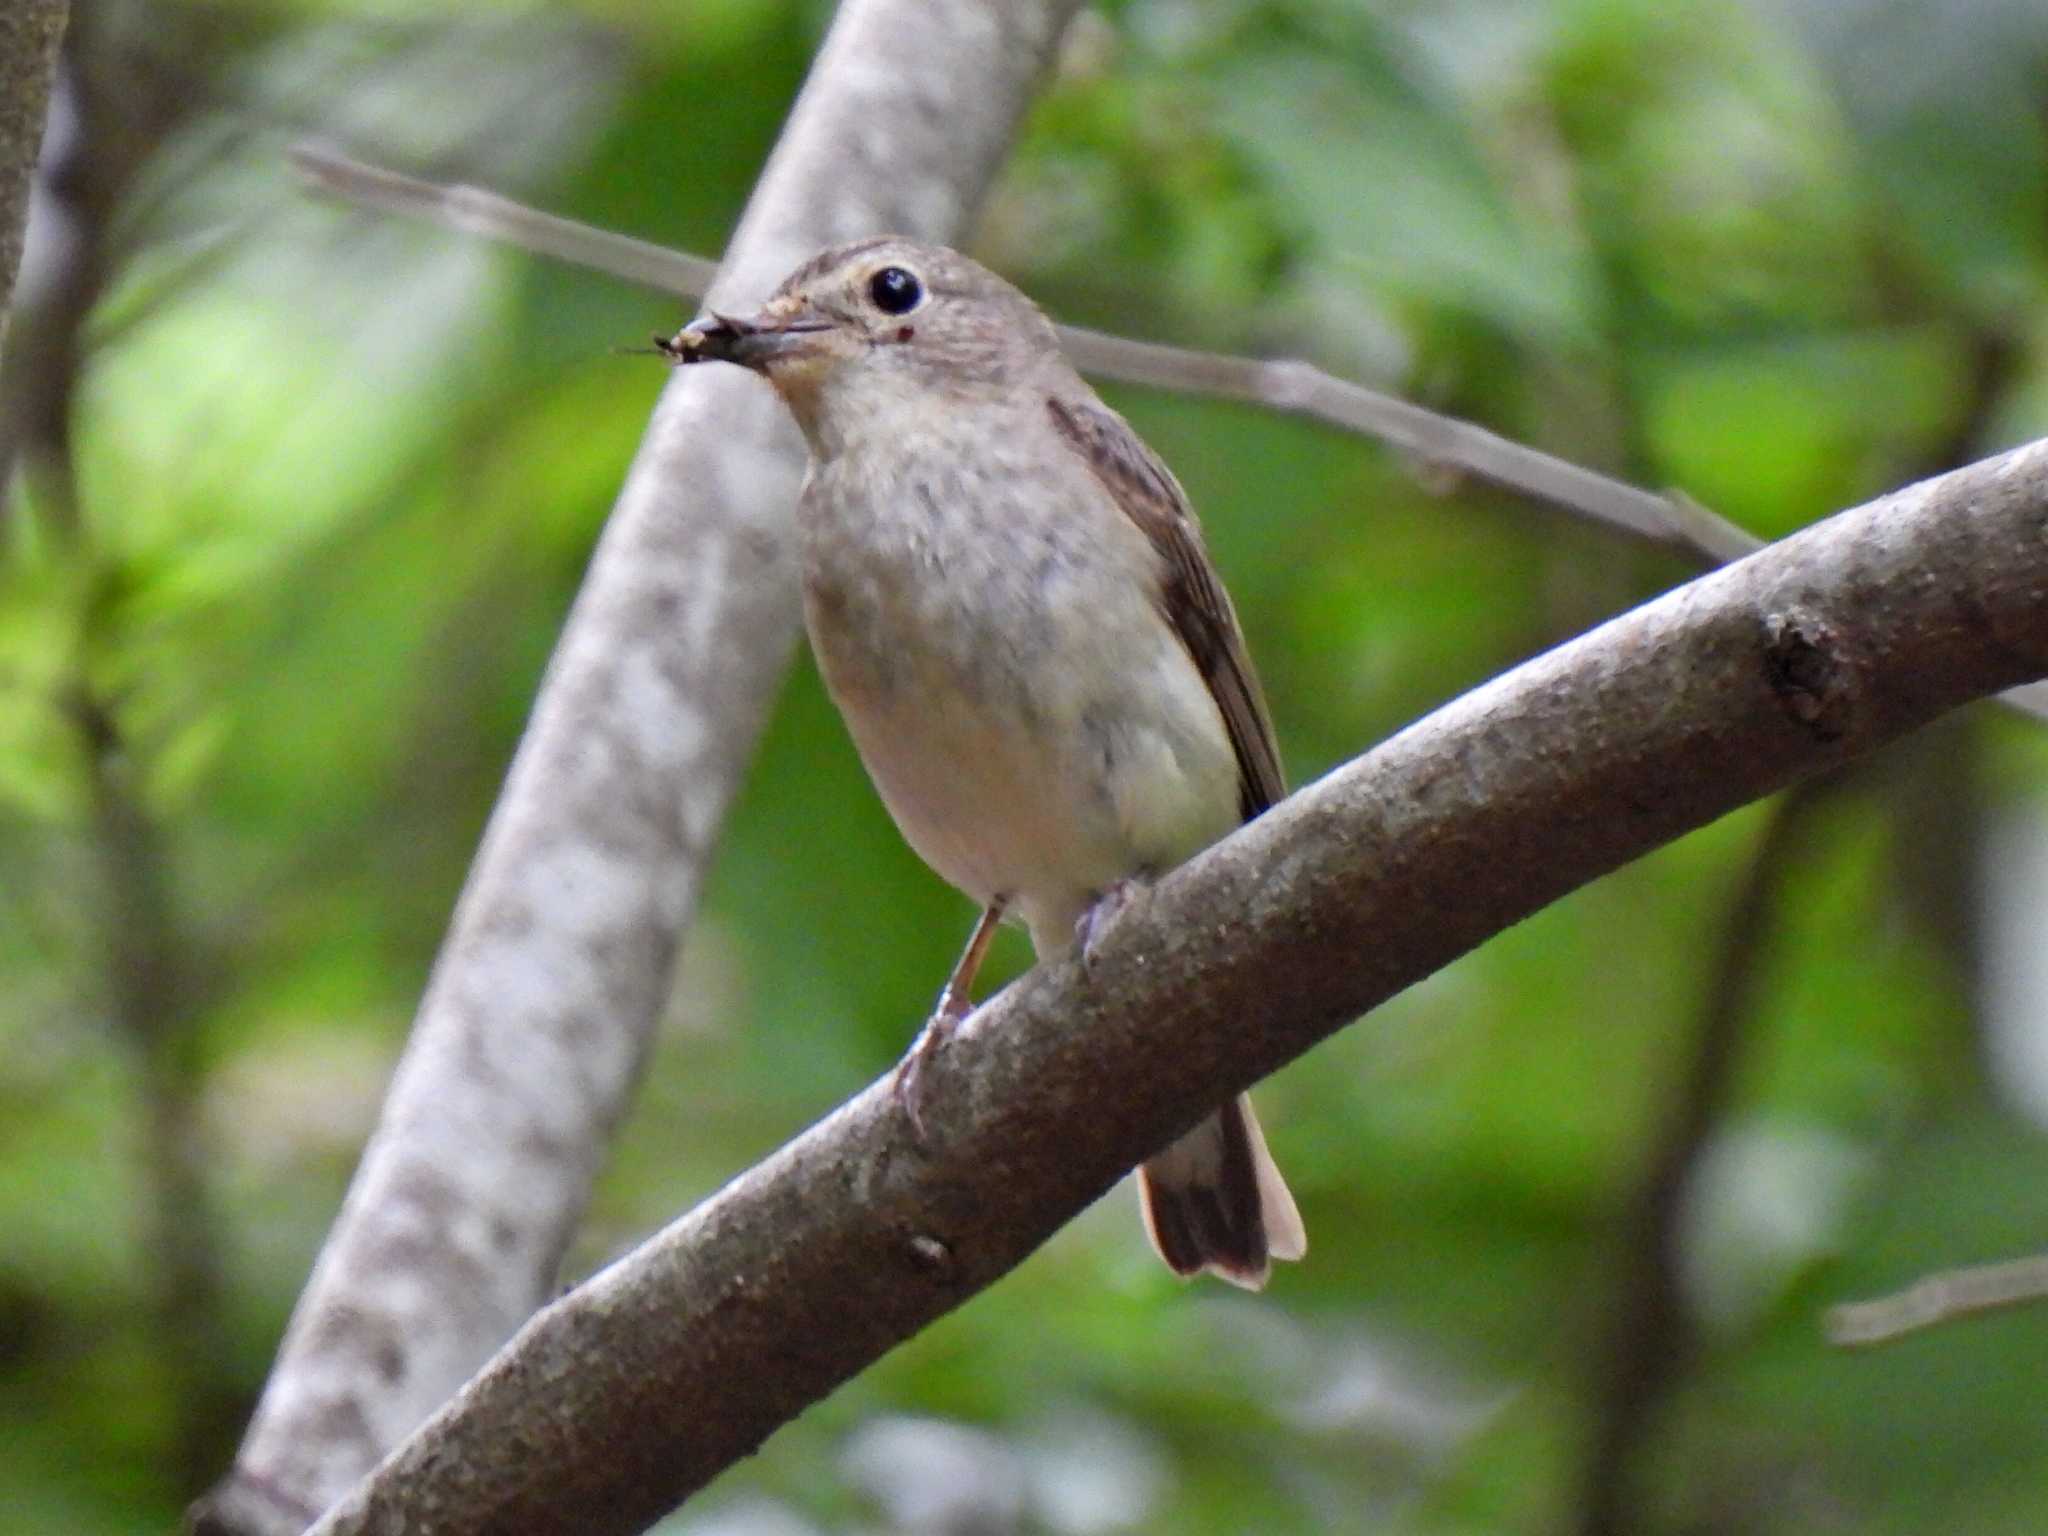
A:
[895,291]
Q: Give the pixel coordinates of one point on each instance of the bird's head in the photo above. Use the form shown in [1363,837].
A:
[890,321]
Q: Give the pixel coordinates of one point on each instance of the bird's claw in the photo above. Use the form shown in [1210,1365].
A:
[1101,915]
[907,1087]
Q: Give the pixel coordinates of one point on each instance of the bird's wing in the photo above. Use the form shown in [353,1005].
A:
[1191,596]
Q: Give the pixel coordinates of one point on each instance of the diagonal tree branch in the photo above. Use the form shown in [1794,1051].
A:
[631,1392]
[559,958]
[1290,385]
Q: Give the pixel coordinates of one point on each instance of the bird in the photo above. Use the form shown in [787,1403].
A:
[1012,606]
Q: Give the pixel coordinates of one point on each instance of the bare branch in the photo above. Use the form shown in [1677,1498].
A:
[1296,387]
[1302,389]
[560,955]
[475,211]
[1941,1297]
[634,1390]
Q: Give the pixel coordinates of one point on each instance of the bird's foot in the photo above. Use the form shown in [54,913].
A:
[1101,914]
[907,1086]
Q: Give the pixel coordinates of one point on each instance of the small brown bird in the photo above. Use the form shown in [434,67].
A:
[1012,607]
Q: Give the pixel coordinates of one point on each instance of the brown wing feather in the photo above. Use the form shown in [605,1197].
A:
[1191,597]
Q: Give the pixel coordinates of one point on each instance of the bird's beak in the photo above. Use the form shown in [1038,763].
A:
[755,343]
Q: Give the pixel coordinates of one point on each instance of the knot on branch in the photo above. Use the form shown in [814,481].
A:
[1808,672]
[932,1256]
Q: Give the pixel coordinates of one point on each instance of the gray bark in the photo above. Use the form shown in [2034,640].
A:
[633,1391]
[559,959]
[30,31]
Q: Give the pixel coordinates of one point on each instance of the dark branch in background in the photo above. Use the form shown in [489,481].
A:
[114,116]
[1935,797]
[559,959]
[157,986]
[156,979]
[1649,1338]
[1928,785]
[634,1390]
[30,31]
[1298,388]
[1942,1297]
[1935,794]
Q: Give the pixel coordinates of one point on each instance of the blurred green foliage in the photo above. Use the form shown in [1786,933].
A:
[269,632]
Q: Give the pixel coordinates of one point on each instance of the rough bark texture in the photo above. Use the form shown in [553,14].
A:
[620,1399]
[560,956]
[30,31]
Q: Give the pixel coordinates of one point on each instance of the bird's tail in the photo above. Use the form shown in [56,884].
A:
[1215,1201]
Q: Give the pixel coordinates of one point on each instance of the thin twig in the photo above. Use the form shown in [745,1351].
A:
[1941,1297]
[1302,389]
[1299,388]
[475,211]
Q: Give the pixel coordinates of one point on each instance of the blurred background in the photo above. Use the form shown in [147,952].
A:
[296,498]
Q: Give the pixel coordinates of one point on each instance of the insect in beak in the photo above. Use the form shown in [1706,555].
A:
[755,344]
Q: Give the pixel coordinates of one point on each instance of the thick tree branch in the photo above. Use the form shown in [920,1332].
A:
[635,1389]
[560,955]
[1291,385]
[30,31]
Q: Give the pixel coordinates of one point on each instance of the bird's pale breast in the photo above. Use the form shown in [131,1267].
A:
[987,621]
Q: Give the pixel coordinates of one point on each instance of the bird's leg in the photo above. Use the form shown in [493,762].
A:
[956,1001]
[1096,918]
